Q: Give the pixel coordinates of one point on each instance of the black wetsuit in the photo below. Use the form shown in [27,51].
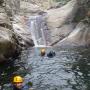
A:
[14,88]
[51,54]
[26,87]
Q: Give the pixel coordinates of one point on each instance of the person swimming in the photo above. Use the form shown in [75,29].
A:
[17,83]
[51,54]
[42,52]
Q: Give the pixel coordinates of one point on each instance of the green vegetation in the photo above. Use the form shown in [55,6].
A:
[6,72]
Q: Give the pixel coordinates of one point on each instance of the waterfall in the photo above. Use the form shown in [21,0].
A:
[33,33]
[36,27]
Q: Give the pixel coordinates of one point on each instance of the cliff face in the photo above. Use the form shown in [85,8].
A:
[80,36]
[8,45]
[74,15]
[59,21]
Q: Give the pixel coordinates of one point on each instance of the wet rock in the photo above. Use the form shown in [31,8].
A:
[22,31]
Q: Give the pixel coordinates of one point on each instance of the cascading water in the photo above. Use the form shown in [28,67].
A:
[36,27]
[33,34]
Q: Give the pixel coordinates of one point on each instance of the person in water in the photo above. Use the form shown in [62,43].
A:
[17,84]
[42,52]
[51,54]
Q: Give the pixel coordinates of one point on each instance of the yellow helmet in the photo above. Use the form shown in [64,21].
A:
[42,50]
[17,79]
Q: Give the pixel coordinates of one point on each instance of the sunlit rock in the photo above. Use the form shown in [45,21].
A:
[79,37]
[59,21]
[59,33]
[57,17]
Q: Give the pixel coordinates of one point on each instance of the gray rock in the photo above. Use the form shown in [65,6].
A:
[59,21]
[22,31]
[58,34]
[79,37]
[8,44]
[57,17]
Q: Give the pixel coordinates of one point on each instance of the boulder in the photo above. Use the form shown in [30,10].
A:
[8,46]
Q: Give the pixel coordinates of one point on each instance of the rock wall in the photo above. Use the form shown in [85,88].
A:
[59,20]
[22,32]
[80,36]
[75,15]
[8,45]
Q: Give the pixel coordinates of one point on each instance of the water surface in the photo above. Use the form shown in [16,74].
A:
[68,70]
